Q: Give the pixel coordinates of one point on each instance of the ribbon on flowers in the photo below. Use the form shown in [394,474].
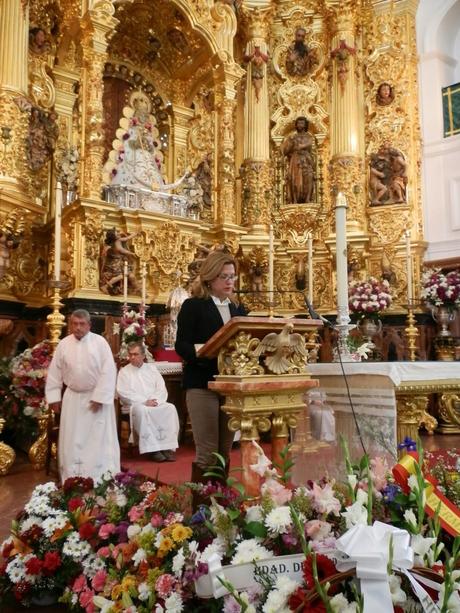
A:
[449,514]
[368,548]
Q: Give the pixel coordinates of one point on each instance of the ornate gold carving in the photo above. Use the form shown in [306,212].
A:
[298,221]
[7,454]
[39,450]
[411,409]
[389,224]
[257,200]
[284,352]
[238,357]
[346,177]
[449,413]
[92,230]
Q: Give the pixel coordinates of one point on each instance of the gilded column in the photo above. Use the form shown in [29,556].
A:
[226,76]
[97,26]
[347,129]
[14,25]
[256,170]
[181,123]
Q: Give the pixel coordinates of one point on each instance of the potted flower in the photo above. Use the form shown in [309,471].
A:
[441,291]
[368,299]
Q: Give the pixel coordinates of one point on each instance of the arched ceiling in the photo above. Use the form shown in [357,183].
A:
[158,36]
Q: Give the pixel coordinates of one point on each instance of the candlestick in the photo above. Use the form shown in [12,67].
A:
[343,312]
[144,278]
[408,268]
[310,268]
[125,281]
[270,267]
[57,232]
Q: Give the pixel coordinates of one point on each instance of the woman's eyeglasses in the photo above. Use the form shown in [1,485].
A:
[224,277]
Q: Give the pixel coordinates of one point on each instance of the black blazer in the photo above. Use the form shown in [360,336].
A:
[198,320]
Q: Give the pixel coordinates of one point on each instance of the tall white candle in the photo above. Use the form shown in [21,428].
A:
[310,268]
[341,258]
[57,232]
[270,264]
[125,281]
[408,268]
[144,278]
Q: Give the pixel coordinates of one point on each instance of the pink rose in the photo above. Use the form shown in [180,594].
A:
[156,520]
[106,530]
[103,552]
[135,513]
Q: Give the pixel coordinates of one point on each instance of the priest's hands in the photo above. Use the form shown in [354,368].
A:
[151,403]
[95,406]
[55,407]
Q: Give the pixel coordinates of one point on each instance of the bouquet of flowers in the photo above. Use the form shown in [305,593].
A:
[18,426]
[367,298]
[133,327]
[28,377]
[441,289]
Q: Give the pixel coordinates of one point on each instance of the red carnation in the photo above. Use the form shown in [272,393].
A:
[325,567]
[86,531]
[34,566]
[75,503]
[51,561]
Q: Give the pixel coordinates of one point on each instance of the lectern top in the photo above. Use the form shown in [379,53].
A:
[257,326]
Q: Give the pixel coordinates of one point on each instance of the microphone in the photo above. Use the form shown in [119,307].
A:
[315,315]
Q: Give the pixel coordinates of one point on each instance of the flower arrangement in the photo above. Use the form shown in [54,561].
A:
[28,377]
[133,327]
[134,546]
[441,289]
[18,426]
[367,298]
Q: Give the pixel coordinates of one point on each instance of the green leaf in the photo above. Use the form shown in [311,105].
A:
[256,528]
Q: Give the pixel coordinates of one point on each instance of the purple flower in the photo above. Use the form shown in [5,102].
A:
[122,531]
[390,492]
[408,444]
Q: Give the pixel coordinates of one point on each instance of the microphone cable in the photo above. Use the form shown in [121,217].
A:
[330,325]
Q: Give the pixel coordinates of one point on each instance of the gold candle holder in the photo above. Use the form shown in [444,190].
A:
[55,320]
[411,333]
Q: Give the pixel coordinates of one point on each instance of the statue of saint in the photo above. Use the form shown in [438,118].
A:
[385,94]
[112,264]
[139,157]
[300,59]
[37,41]
[388,176]
[300,175]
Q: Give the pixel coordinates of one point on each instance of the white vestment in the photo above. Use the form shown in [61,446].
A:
[157,428]
[88,441]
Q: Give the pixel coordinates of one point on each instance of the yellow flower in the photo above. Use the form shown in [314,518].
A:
[128,582]
[180,533]
[166,545]
[116,592]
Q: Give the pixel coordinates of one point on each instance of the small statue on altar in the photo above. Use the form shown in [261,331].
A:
[112,263]
[388,176]
[41,138]
[204,178]
[11,232]
[38,42]
[300,175]
[300,60]
[385,94]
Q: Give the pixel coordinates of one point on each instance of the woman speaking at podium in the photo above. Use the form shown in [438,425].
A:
[212,304]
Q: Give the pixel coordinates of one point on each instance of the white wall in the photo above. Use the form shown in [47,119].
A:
[438,44]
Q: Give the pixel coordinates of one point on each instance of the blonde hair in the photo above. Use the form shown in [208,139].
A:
[209,270]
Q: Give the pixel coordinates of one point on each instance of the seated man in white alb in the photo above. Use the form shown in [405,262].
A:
[142,388]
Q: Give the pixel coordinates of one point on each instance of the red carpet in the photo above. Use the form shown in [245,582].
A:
[171,472]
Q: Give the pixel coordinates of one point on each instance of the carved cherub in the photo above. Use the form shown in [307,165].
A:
[257,59]
[283,347]
[11,231]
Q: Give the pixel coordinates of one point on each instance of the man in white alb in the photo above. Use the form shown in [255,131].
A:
[83,362]
[142,389]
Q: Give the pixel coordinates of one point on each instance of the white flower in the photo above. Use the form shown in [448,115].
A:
[51,524]
[254,513]
[410,518]
[29,522]
[339,604]
[277,599]
[178,562]
[421,545]
[278,520]
[355,514]
[352,480]
[216,547]
[174,603]
[120,499]
[250,551]
[362,497]
[413,483]
[143,591]
[103,603]
[139,556]
[397,594]
[133,529]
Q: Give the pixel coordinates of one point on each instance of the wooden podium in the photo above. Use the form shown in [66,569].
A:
[263,376]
